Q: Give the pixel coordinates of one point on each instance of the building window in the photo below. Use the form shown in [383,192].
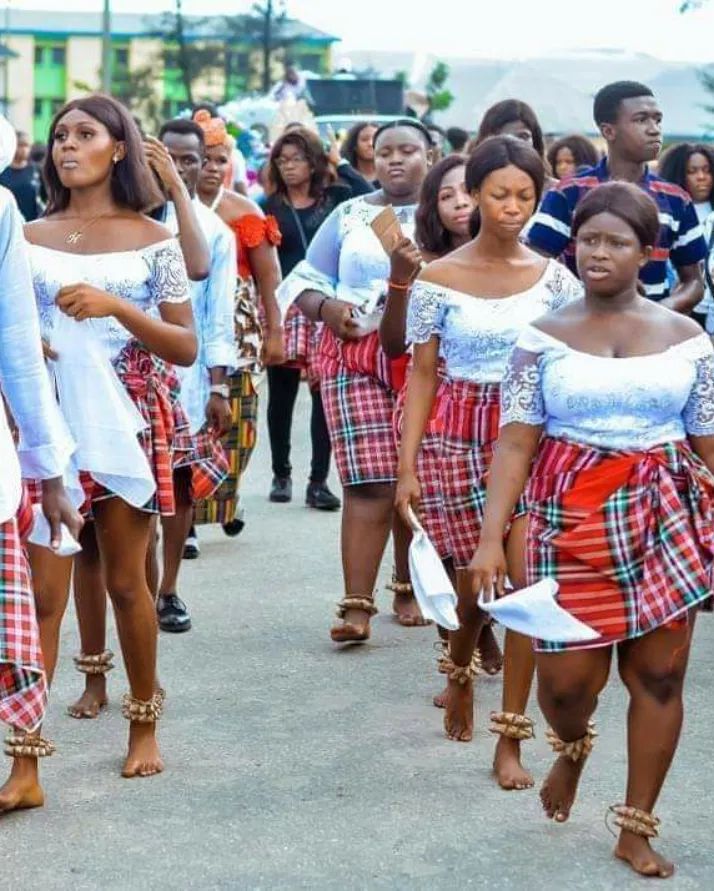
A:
[39,54]
[58,55]
[37,108]
[237,62]
[311,62]
[121,57]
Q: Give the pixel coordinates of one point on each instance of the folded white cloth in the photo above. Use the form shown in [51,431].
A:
[41,535]
[100,414]
[534,612]
[432,588]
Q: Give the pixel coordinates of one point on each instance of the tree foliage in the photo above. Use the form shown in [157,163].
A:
[439,97]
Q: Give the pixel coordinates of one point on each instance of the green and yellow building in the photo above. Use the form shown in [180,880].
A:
[56,56]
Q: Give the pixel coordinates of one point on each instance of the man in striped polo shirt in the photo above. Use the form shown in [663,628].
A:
[630,121]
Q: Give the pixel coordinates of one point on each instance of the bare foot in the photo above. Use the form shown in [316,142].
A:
[92,700]
[491,655]
[354,628]
[143,758]
[507,766]
[440,699]
[558,791]
[636,850]
[407,611]
[22,789]
[459,716]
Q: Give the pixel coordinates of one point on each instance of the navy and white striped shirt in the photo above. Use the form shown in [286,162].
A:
[680,236]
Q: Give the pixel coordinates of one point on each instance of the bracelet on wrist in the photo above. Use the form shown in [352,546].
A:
[222,390]
[399,286]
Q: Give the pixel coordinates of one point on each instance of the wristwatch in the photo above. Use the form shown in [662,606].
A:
[222,390]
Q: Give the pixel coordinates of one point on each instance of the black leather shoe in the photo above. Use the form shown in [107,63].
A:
[191,550]
[320,497]
[172,613]
[282,490]
[233,527]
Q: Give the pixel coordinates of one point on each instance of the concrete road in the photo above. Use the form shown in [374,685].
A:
[291,764]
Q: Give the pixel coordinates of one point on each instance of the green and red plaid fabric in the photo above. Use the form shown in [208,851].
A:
[428,468]
[628,536]
[471,420]
[154,388]
[359,387]
[23,685]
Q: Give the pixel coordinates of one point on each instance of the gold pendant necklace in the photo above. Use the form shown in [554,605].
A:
[74,236]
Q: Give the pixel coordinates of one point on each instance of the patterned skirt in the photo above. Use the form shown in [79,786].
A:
[359,387]
[154,389]
[431,509]
[222,506]
[23,685]
[628,536]
[471,419]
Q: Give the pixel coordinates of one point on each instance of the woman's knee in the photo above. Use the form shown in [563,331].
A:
[662,683]
[564,694]
[125,587]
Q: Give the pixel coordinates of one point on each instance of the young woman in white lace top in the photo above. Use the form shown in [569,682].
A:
[612,398]
[470,307]
[106,279]
[343,282]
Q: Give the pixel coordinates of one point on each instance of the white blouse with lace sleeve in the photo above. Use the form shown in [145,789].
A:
[631,403]
[477,334]
[146,277]
[345,258]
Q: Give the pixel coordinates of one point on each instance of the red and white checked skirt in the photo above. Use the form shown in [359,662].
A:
[428,468]
[359,386]
[471,420]
[154,388]
[23,686]
[628,536]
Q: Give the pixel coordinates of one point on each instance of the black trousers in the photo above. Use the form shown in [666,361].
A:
[283,386]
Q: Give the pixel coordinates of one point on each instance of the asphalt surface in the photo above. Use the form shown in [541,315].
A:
[290,764]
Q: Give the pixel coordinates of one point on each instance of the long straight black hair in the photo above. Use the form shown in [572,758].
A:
[132,183]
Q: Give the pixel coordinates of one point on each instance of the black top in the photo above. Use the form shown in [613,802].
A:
[294,243]
[24,183]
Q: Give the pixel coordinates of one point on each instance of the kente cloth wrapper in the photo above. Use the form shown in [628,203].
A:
[471,415]
[23,685]
[222,506]
[432,514]
[101,415]
[432,587]
[357,383]
[628,536]
[533,612]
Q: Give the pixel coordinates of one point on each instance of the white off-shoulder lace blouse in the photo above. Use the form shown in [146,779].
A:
[632,403]
[147,277]
[101,416]
[345,258]
[477,334]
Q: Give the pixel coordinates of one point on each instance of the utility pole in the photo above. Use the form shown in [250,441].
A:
[106,48]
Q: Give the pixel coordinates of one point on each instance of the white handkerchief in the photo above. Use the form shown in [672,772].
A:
[432,588]
[40,535]
[533,611]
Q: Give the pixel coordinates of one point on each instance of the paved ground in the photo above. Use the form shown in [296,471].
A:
[291,765]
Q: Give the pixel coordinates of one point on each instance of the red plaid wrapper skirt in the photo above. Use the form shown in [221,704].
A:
[23,685]
[359,387]
[628,536]
[154,388]
[431,508]
[471,418]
